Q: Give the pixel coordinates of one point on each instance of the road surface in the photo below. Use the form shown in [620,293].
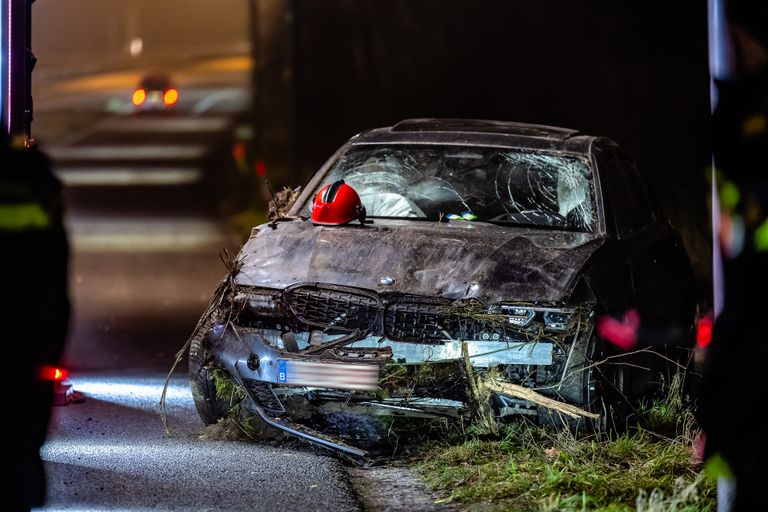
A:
[146,240]
[146,232]
[111,453]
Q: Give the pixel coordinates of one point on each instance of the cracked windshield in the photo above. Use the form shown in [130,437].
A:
[473,184]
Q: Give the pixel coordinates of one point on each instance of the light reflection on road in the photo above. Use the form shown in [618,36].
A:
[146,234]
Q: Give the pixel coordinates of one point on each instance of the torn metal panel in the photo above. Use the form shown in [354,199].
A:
[456,261]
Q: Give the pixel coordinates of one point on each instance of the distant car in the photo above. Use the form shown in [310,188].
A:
[155,92]
[501,239]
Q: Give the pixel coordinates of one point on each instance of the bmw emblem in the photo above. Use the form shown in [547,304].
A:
[386,280]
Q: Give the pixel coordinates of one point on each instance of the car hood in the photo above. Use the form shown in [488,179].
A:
[454,260]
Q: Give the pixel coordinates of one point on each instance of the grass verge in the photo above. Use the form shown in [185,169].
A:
[532,468]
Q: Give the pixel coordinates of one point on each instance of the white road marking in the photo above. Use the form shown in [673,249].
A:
[128,176]
[129,152]
[125,124]
[145,235]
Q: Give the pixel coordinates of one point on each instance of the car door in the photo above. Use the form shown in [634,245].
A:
[661,272]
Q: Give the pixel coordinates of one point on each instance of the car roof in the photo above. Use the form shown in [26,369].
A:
[478,132]
[155,81]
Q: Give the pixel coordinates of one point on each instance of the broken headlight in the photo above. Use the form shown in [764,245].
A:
[260,301]
[554,319]
[516,315]
[263,302]
[557,320]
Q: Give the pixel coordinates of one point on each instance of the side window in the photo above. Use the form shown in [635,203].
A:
[642,202]
[630,203]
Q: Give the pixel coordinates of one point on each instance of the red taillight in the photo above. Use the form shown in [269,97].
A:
[52,373]
[238,151]
[261,168]
[170,97]
[139,96]
[704,331]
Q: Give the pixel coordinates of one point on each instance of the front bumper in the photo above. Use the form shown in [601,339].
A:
[281,352]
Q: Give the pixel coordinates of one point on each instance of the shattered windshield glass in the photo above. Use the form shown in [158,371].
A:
[498,185]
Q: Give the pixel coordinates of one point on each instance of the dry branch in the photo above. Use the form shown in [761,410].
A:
[537,398]
[478,399]
[282,202]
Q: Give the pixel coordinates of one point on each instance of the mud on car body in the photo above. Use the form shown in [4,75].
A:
[492,243]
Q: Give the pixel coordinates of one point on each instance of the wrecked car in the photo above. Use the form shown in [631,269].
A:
[472,288]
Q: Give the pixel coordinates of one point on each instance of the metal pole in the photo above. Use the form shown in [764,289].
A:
[718,69]
[29,65]
[256,61]
[18,62]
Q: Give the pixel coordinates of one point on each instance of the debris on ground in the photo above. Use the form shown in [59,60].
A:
[537,398]
[226,429]
[478,395]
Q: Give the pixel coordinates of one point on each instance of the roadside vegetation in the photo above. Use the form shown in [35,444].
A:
[530,468]
[523,467]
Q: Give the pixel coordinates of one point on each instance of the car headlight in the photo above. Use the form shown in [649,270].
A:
[557,320]
[260,302]
[554,319]
[518,316]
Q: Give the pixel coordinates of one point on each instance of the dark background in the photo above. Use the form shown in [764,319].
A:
[636,72]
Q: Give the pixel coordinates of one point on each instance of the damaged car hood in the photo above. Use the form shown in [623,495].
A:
[456,260]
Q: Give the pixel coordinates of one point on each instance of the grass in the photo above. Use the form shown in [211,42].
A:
[239,424]
[531,468]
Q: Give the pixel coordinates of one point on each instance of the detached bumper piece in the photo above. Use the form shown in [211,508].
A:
[257,367]
[275,419]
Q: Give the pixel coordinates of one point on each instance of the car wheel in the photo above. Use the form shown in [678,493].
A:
[608,389]
[202,364]
[595,382]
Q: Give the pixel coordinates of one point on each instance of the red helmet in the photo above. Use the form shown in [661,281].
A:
[337,204]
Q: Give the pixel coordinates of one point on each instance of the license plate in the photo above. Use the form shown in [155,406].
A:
[328,375]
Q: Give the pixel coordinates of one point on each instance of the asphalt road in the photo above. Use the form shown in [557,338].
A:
[111,453]
[146,241]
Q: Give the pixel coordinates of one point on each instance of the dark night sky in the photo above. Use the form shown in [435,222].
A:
[636,72]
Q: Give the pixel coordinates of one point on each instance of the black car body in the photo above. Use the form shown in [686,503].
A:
[490,242]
